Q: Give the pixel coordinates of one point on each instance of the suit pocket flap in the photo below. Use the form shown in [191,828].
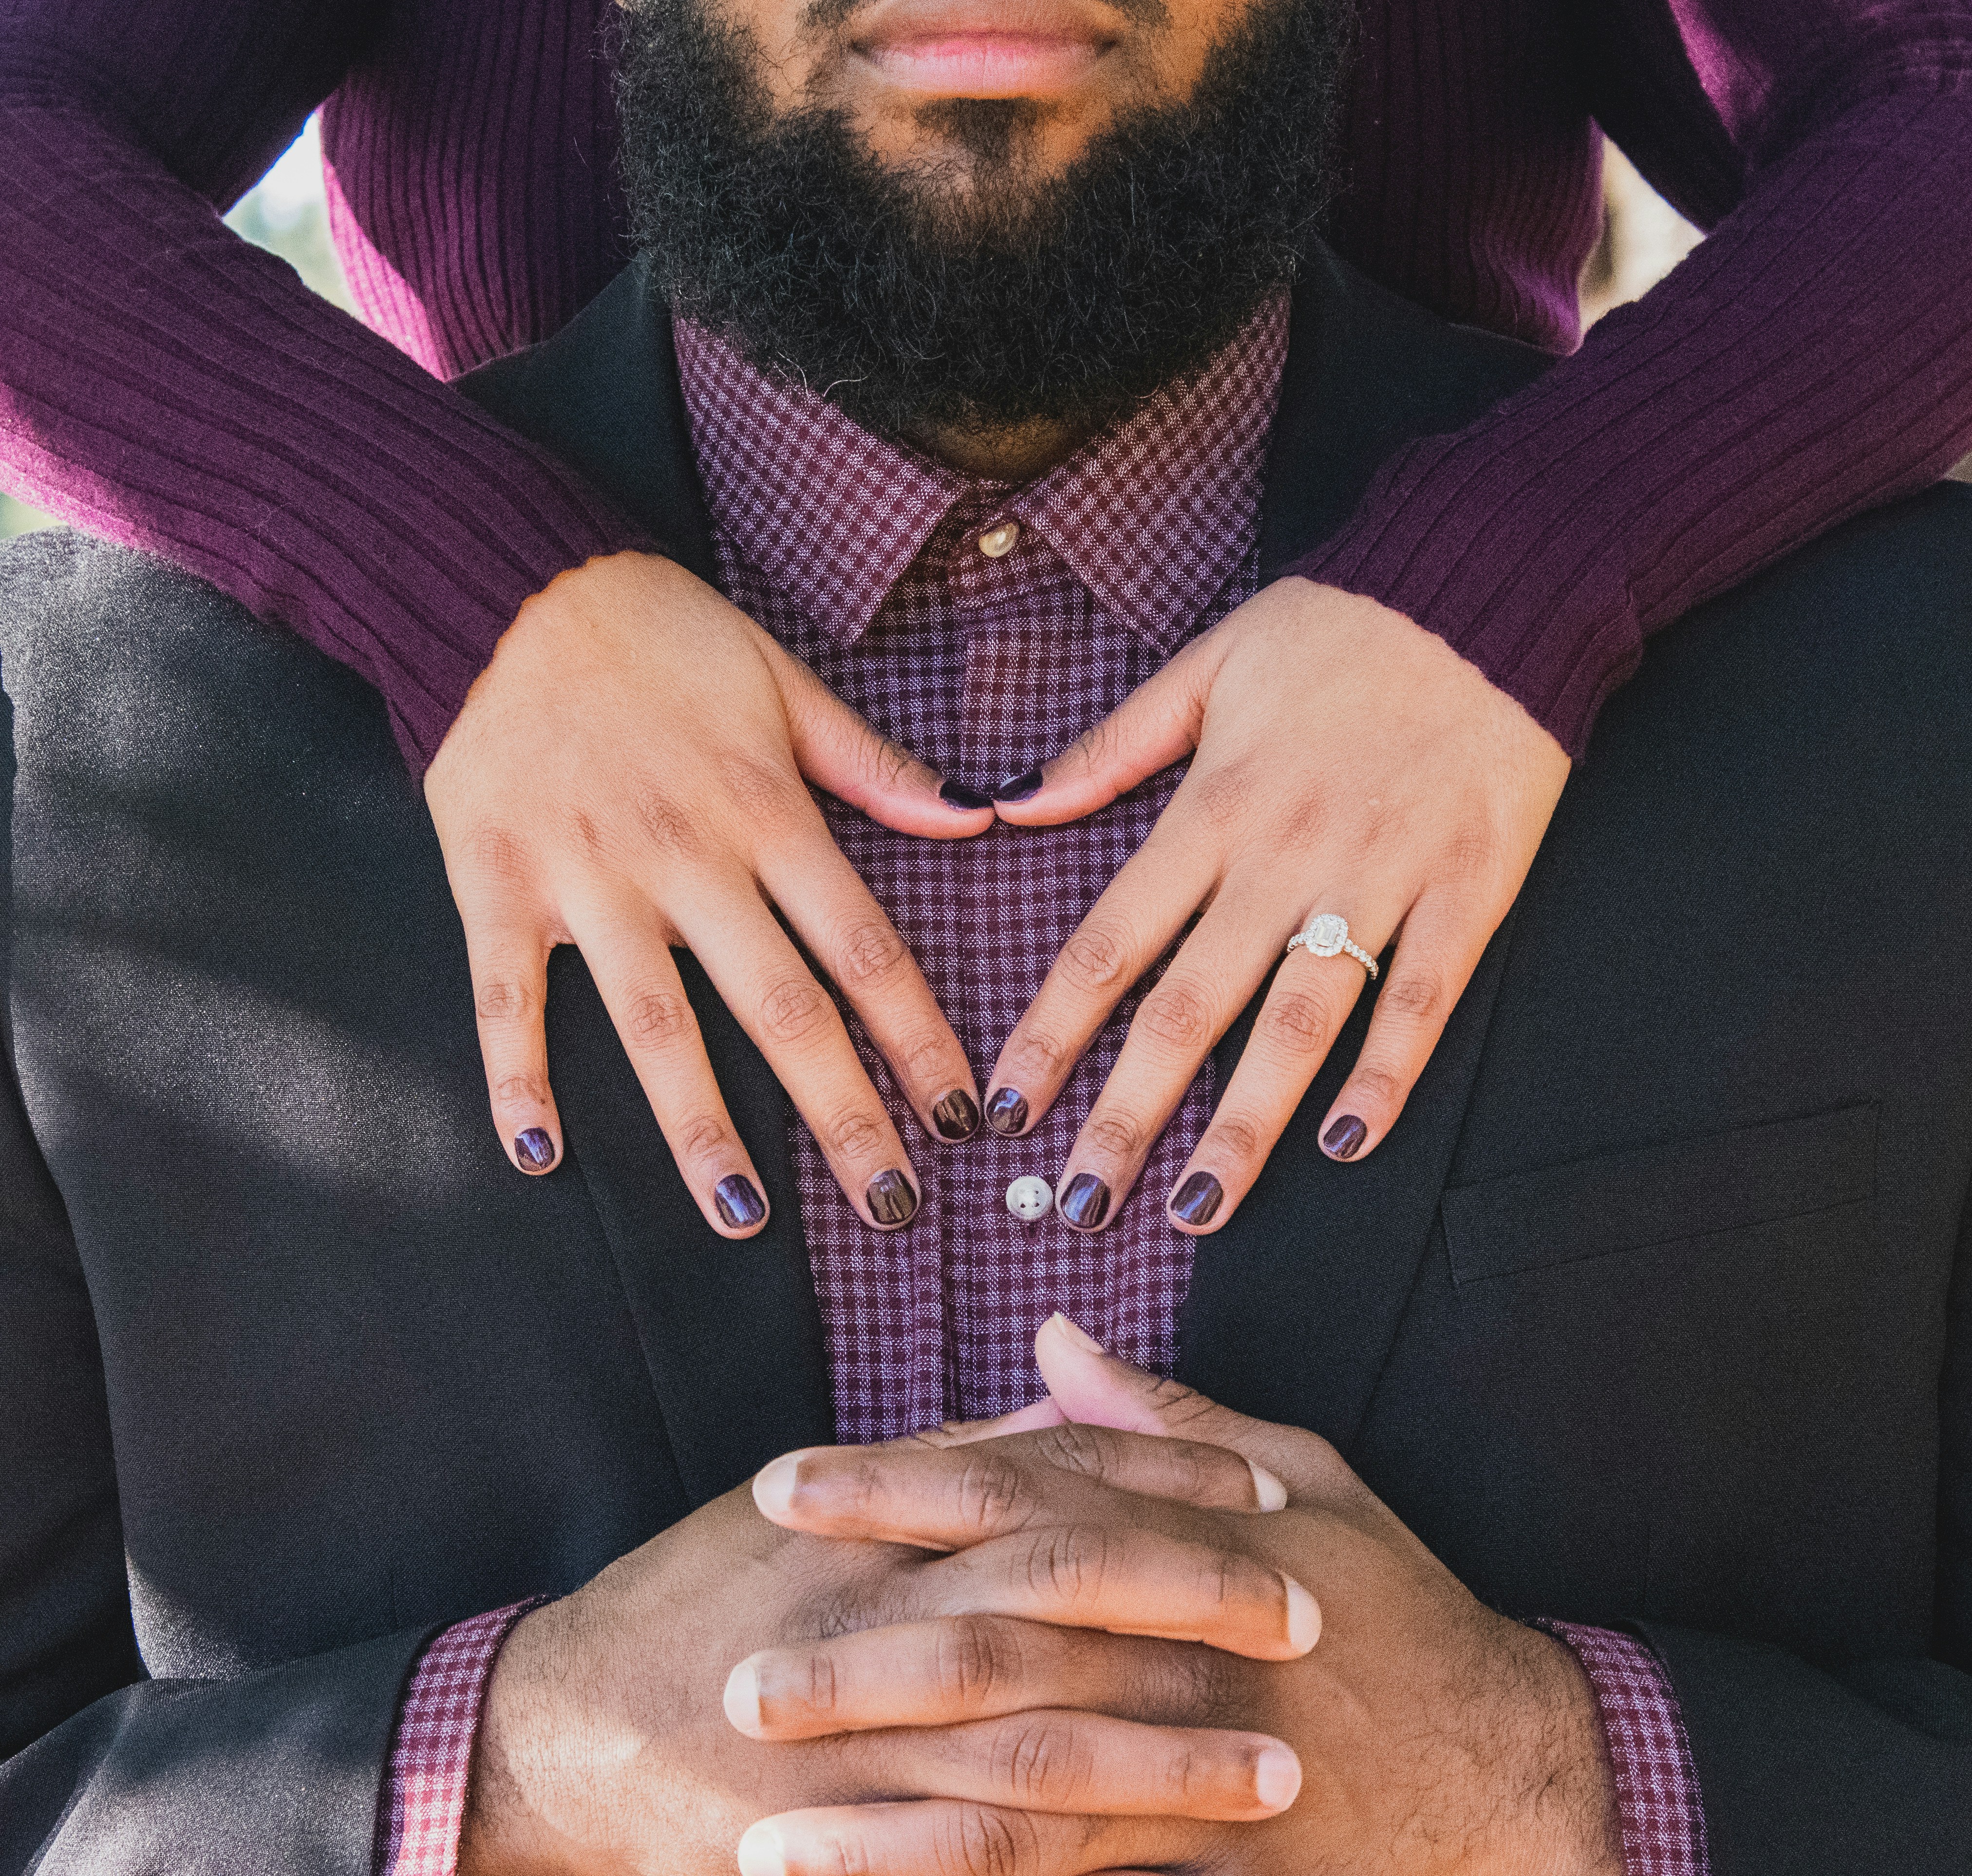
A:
[1658,1195]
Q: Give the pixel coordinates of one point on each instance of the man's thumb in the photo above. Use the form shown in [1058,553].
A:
[1099,1389]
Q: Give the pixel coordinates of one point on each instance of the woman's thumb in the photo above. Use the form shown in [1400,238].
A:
[841,752]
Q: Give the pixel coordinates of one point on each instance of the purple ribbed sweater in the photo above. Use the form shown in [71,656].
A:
[165,384]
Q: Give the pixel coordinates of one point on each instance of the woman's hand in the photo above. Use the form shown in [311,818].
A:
[1347,761]
[627,777]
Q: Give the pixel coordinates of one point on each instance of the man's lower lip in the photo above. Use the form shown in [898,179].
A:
[983,65]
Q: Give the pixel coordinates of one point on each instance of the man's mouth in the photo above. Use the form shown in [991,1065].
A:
[977,49]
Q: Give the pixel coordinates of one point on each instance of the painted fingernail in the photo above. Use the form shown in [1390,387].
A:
[1019,787]
[1342,1140]
[739,1200]
[1085,1204]
[1006,1110]
[1304,1617]
[1271,1493]
[967,800]
[1077,1334]
[1196,1201]
[743,1699]
[894,1200]
[762,1851]
[1277,1778]
[534,1149]
[956,1116]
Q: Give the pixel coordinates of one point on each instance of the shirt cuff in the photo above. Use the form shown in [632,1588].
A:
[1657,1784]
[423,1804]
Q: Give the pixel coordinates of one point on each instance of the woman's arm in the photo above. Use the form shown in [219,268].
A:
[165,384]
[1812,359]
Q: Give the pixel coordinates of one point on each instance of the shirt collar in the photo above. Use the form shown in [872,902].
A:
[1153,515]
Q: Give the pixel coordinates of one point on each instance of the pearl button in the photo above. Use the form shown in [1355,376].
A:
[1029,1199]
[997,543]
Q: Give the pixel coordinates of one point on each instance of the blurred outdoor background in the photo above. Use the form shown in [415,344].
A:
[1645,238]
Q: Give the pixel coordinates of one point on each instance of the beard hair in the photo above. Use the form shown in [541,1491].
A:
[976,296]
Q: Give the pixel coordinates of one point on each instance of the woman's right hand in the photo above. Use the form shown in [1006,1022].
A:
[627,777]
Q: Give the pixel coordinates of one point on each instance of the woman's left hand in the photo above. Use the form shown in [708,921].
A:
[1347,761]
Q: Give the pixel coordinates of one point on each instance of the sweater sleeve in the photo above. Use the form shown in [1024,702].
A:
[1810,360]
[168,386]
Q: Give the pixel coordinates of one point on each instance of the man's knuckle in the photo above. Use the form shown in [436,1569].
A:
[993,1495]
[1037,1055]
[975,1657]
[1072,1563]
[657,1017]
[666,823]
[1113,1135]
[494,855]
[704,1136]
[1038,1761]
[1073,1447]
[1234,1136]
[763,793]
[980,1840]
[504,1000]
[853,1135]
[519,1089]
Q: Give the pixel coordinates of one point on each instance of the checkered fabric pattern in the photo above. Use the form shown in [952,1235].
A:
[424,1795]
[862,557]
[1657,1784]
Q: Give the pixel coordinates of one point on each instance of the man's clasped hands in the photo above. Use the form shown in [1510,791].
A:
[1125,1630]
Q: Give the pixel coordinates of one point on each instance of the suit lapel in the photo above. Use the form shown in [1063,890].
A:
[1295,1303]
[730,1332]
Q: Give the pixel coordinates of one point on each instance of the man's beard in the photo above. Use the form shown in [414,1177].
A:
[914,299]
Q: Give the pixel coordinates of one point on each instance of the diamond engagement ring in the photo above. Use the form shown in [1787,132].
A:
[1327,936]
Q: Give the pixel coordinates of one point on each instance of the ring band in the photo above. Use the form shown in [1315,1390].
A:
[1327,936]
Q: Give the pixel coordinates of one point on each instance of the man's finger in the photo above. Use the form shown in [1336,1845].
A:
[1091,1385]
[842,752]
[852,938]
[509,962]
[638,979]
[957,1838]
[967,1668]
[1443,938]
[1157,725]
[952,1498]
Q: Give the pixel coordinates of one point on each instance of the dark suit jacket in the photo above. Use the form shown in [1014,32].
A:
[1652,1309]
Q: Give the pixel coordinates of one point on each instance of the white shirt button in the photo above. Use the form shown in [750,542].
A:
[997,543]
[1029,1199]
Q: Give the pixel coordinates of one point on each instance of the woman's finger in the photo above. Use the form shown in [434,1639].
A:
[1126,931]
[1156,725]
[1444,936]
[957,1839]
[850,935]
[509,962]
[841,751]
[795,1024]
[967,1667]
[1305,1008]
[629,957]
[1204,988]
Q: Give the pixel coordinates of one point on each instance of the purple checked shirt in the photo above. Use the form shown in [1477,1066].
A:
[865,560]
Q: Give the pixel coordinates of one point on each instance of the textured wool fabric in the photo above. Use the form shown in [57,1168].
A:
[863,557]
[423,1806]
[164,384]
[1657,1784]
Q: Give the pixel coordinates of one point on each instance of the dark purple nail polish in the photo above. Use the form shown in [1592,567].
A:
[957,795]
[1196,1201]
[1019,787]
[1342,1140]
[956,1116]
[1007,1111]
[894,1200]
[534,1150]
[739,1201]
[1084,1202]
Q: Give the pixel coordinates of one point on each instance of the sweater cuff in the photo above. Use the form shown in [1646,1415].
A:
[423,1807]
[1657,1796]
